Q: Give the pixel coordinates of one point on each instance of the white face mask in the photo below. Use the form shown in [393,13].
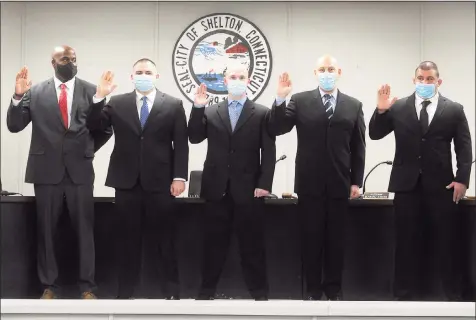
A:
[143,82]
[236,87]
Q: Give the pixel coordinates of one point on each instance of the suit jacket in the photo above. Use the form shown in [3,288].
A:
[53,148]
[331,153]
[154,155]
[428,154]
[241,160]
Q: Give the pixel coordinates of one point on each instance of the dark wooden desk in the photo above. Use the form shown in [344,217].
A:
[368,265]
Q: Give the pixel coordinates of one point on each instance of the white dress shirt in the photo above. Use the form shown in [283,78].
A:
[430,109]
[69,95]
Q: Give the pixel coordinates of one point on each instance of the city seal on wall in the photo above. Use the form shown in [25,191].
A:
[206,46]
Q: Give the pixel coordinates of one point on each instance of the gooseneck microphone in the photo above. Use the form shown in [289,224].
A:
[368,174]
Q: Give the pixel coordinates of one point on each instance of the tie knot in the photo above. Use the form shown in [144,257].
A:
[234,103]
[327,96]
[425,103]
[62,86]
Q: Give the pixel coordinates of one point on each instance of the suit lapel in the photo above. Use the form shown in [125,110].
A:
[339,108]
[410,118]
[439,111]
[156,108]
[53,100]
[246,113]
[130,110]
[317,104]
[222,111]
[77,95]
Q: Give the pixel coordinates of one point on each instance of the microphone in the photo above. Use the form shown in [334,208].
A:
[281,158]
[272,195]
[378,164]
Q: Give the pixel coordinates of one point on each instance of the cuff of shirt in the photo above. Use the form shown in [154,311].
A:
[97,100]
[15,102]
[198,105]
[279,101]
[179,179]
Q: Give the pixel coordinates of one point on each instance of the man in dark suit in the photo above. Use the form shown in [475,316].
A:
[233,179]
[60,162]
[148,168]
[329,167]
[426,191]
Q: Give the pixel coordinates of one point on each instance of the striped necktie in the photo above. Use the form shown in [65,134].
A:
[328,106]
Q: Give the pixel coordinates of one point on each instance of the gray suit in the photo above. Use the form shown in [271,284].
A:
[60,164]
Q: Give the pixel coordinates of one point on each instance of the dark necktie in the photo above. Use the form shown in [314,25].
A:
[328,105]
[144,112]
[424,116]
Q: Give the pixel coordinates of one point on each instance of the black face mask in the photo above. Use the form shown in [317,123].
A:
[65,72]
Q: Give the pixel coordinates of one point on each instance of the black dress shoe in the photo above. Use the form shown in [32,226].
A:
[312,298]
[261,298]
[172,297]
[124,297]
[205,297]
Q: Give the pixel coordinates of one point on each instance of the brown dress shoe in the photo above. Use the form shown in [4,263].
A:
[48,294]
[88,295]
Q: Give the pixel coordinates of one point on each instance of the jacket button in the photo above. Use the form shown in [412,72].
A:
[423,139]
[142,138]
[419,157]
[232,151]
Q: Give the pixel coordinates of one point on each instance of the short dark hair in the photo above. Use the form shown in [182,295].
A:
[144,60]
[428,65]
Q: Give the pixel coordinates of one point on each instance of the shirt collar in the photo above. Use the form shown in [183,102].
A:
[241,101]
[69,84]
[419,100]
[150,96]
[334,93]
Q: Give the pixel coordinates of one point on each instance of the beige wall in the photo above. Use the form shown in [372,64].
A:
[375,43]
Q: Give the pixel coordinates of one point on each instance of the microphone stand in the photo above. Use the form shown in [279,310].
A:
[272,195]
[375,167]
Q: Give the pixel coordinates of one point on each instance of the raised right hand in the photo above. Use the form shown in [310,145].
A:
[106,85]
[383,99]
[284,85]
[22,82]
[201,95]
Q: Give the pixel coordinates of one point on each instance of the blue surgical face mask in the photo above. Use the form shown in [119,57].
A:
[425,90]
[143,82]
[236,87]
[327,81]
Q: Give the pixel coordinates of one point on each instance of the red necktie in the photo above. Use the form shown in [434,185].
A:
[63,104]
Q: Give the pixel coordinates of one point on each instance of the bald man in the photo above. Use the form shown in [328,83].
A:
[60,161]
[238,171]
[330,163]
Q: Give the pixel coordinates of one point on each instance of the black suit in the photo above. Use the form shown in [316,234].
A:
[60,163]
[231,172]
[330,158]
[422,169]
[143,164]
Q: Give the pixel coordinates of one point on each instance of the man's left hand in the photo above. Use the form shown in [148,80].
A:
[177,187]
[459,190]
[354,192]
[260,193]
